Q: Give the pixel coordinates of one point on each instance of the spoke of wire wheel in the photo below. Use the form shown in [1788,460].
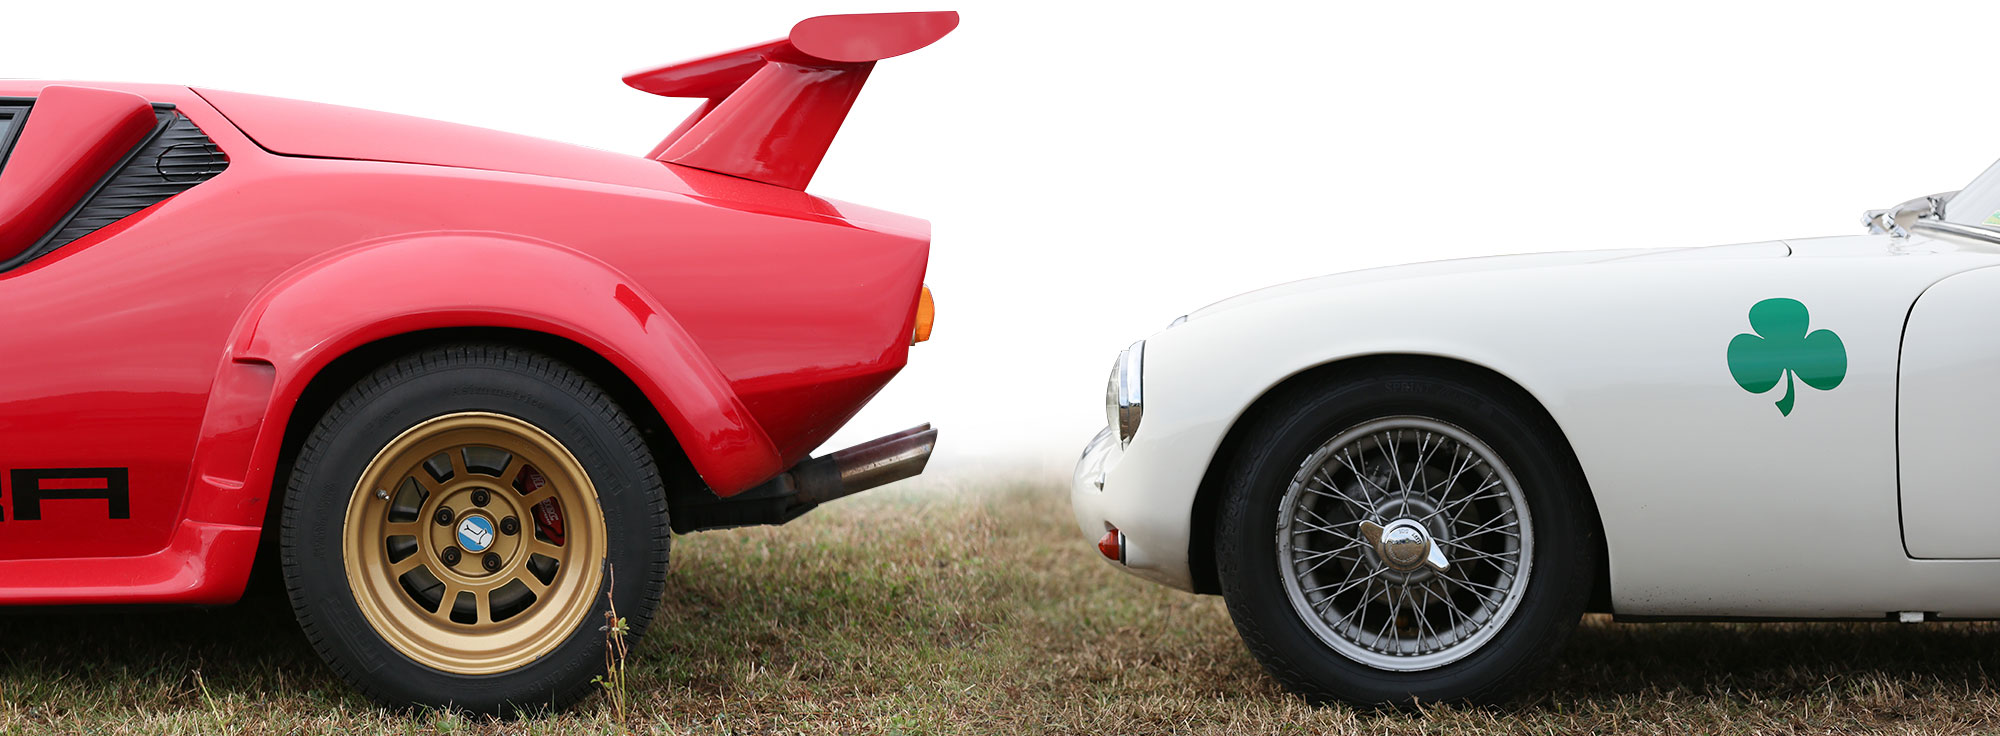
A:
[1491,481]
[1333,491]
[1390,627]
[1465,463]
[1325,557]
[1431,489]
[1360,607]
[1476,586]
[1350,613]
[1395,625]
[1311,527]
[1343,586]
[1453,616]
[1457,507]
[1339,553]
[1395,463]
[1313,554]
[1476,594]
[1323,520]
[1437,635]
[1421,612]
[1489,527]
[1361,623]
[1368,582]
[1462,509]
[1346,459]
[1426,450]
[1316,566]
[1353,574]
[1475,554]
[1408,482]
[1388,622]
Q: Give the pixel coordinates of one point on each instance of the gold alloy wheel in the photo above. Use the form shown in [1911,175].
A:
[474,543]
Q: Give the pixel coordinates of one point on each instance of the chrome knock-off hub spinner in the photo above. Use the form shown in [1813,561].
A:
[1404,546]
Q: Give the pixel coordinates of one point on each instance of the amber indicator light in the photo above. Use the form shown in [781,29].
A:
[926,314]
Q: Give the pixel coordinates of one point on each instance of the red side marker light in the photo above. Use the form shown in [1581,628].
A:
[1112,546]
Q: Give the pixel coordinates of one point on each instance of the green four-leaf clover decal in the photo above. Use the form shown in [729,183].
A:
[1782,348]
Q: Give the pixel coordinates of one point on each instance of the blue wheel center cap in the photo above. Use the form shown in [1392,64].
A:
[475,533]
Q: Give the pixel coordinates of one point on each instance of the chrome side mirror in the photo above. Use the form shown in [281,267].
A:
[1896,221]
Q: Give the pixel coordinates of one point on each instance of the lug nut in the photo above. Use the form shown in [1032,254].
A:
[510,526]
[480,497]
[492,562]
[444,516]
[450,556]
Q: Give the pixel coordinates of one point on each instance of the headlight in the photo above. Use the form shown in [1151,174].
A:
[1122,407]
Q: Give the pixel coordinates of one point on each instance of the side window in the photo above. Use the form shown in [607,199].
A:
[10,124]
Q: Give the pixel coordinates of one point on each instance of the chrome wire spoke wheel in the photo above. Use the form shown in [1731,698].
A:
[474,543]
[1404,543]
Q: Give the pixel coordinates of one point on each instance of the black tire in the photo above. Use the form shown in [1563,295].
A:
[1296,423]
[446,380]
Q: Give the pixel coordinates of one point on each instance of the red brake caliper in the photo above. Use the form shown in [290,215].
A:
[548,514]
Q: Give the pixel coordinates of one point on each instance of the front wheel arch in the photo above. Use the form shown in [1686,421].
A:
[1208,496]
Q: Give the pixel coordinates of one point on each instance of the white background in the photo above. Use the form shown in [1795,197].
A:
[1095,170]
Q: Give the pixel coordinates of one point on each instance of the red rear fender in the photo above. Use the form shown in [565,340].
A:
[373,291]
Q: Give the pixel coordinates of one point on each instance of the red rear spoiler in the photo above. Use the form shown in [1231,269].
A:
[773,108]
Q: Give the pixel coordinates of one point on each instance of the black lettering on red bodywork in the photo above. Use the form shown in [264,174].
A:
[33,486]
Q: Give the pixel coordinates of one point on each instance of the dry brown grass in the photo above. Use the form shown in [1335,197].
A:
[979,610]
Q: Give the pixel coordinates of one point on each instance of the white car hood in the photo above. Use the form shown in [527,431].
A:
[1771,249]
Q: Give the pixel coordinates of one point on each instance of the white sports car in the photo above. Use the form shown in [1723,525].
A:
[1408,482]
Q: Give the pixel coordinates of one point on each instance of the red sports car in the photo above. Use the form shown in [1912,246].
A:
[461,385]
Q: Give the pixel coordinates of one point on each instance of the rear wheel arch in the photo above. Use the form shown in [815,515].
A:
[1209,495]
[343,372]
[381,289]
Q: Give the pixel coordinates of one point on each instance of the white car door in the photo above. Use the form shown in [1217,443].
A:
[1947,407]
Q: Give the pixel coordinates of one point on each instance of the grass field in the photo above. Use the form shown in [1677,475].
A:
[956,610]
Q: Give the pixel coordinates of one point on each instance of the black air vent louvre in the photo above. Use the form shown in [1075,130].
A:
[180,157]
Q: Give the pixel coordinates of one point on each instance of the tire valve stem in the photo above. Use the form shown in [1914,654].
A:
[510,526]
[381,494]
[491,563]
[444,516]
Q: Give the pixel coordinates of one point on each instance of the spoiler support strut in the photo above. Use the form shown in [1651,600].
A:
[771,110]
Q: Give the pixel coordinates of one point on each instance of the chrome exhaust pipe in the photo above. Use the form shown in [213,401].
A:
[871,464]
[813,482]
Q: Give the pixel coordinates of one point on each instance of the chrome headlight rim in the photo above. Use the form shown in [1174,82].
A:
[1124,394]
